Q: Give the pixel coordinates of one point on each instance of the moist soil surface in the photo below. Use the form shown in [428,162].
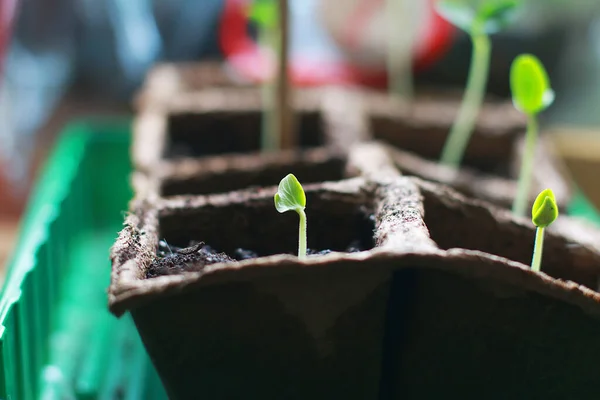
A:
[173,260]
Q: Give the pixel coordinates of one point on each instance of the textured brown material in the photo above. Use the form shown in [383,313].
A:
[227,121]
[444,300]
[356,325]
[492,158]
[167,80]
[422,127]
[212,175]
[485,186]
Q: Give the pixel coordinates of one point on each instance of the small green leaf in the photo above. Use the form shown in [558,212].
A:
[478,16]
[290,195]
[530,85]
[264,13]
[544,210]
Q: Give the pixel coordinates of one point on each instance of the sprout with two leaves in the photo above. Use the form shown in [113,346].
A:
[479,18]
[531,95]
[543,213]
[290,197]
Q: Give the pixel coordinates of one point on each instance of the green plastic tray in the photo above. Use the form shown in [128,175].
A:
[57,339]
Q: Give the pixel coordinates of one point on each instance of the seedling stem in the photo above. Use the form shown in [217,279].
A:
[458,139]
[524,185]
[538,247]
[399,22]
[302,234]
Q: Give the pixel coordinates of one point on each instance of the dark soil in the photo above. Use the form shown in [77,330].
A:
[173,260]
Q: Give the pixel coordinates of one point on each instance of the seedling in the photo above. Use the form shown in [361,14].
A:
[543,213]
[479,18]
[531,94]
[400,26]
[290,196]
[264,14]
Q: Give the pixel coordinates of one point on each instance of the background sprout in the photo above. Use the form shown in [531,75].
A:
[543,213]
[479,18]
[531,94]
[264,14]
[400,37]
[290,196]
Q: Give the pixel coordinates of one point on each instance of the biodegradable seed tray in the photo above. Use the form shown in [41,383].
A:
[343,324]
[492,158]
[228,121]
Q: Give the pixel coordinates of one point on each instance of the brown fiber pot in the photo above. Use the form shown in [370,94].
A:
[217,121]
[419,130]
[221,121]
[440,302]
[167,80]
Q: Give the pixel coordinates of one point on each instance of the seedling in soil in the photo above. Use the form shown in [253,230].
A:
[531,94]
[479,18]
[290,196]
[543,213]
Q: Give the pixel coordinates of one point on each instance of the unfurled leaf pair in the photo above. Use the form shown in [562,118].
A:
[290,197]
[482,16]
[530,85]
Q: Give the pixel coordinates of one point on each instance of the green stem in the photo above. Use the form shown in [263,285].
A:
[399,18]
[269,137]
[538,247]
[302,234]
[520,202]
[459,136]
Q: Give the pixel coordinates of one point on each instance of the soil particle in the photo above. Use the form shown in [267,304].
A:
[173,260]
[177,260]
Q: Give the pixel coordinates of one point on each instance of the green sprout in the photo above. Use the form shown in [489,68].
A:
[264,14]
[400,38]
[531,94]
[290,196]
[543,213]
[479,18]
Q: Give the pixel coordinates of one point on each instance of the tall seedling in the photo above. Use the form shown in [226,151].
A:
[278,131]
[264,14]
[531,95]
[479,18]
[399,19]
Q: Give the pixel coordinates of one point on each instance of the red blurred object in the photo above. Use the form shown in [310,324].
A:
[245,56]
[12,202]
[7,14]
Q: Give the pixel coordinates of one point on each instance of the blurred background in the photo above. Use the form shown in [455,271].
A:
[63,59]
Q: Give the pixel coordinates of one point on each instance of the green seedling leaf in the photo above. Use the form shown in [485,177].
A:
[544,210]
[478,16]
[530,85]
[290,195]
[264,13]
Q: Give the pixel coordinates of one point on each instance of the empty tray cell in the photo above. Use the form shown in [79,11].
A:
[227,173]
[221,132]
